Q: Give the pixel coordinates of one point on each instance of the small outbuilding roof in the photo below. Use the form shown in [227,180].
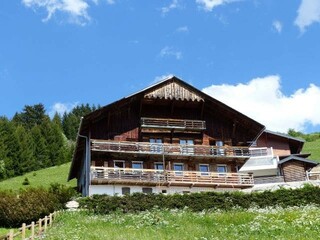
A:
[296,158]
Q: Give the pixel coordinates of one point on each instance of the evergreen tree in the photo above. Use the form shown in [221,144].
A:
[41,153]
[8,150]
[71,121]
[31,116]
[25,152]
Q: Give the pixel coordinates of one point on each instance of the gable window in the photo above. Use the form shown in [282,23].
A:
[220,150]
[155,145]
[187,146]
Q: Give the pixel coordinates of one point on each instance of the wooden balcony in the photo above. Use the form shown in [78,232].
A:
[142,148]
[175,124]
[151,177]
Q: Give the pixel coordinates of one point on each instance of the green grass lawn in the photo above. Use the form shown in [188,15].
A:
[272,223]
[43,178]
[313,148]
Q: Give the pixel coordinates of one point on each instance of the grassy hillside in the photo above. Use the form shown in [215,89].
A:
[313,148]
[43,177]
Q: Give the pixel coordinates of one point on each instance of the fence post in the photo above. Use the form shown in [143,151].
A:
[40,226]
[23,231]
[32,231]
[45,223]
[11,235]
[50,219]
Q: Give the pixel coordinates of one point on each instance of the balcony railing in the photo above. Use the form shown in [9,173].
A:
[170,149]
[103,175]
[312,175]
[182,124]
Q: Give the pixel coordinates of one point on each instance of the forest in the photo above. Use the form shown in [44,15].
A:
[31,140]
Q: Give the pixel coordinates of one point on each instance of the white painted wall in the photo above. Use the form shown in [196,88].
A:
[117,189]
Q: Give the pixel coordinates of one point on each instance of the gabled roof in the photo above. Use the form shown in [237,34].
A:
[285,136]
[193,93]
[296,158]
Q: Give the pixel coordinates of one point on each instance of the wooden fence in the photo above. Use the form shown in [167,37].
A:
[32,230]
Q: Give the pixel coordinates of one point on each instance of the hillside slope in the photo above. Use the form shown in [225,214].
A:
[313,148]
[43,177]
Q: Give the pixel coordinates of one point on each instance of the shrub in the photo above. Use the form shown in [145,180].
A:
[103,204]
[31,204]
[26,181]
[62,193]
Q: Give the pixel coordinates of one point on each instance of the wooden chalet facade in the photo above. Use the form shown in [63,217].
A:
[167,138]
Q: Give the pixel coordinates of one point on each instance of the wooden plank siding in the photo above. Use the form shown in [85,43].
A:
[294,171]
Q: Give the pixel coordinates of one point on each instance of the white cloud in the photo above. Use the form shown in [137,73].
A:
[169,51]
[262,100]
[61,108]
[173,5]
[208,5]
[183,29]
[308,13]
[277,25]
[76,10]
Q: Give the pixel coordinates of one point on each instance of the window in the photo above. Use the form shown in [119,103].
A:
[147,190]
[204,169]
[187,146]
[158,166]
[137,165]
[155,145]
[118,164]
[219,144]
[221,168]
[125,190]
[178,168]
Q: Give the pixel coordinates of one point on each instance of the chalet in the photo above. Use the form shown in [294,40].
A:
[173,138]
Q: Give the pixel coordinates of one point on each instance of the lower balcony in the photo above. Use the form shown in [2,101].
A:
[151,177]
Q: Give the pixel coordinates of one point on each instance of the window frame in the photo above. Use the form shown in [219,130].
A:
[178,172]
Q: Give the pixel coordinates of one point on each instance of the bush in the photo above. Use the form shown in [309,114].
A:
[31,204]
[26,181]
[62,193]
[104,204]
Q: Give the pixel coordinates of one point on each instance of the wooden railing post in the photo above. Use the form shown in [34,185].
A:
[40,226]
[45,223]
[23,231]
[11,235]
[50,219]
[32,231]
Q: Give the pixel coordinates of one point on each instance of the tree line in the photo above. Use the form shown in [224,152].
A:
[31,140]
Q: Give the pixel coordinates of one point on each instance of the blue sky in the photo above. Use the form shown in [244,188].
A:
[261,57]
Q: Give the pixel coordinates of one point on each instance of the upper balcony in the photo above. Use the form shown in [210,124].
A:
[165,149]
[173,124]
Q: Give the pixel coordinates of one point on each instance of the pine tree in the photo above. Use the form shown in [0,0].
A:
[25,152]
[31,116]
[41,153]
